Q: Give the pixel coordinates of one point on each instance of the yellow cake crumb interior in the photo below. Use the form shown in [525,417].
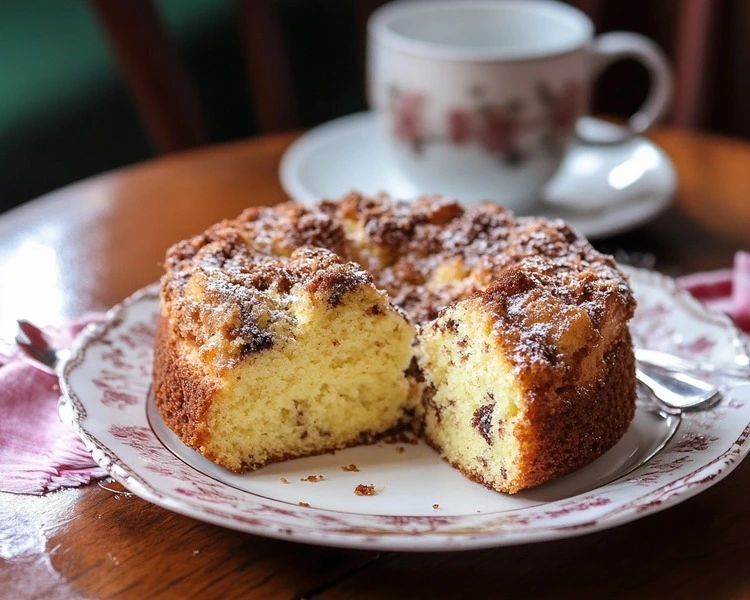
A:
[475,398]
[339,374]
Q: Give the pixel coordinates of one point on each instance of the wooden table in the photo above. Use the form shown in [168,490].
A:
[89,245]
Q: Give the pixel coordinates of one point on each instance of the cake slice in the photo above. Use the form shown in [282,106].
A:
[519,386]
[294,357]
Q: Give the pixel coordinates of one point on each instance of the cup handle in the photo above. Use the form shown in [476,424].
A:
[610,47]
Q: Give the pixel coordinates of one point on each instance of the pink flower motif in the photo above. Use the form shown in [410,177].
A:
[498,130]
[407,112]
[114,397]
[564,108]
[700,345]
[459,125]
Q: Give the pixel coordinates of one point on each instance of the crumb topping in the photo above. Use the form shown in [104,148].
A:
[230,286]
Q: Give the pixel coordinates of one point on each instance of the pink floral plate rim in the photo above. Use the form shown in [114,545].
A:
[105,383]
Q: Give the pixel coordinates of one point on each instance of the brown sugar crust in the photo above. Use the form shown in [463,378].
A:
[182,395]
[587,422]
[426,253]
[536,277]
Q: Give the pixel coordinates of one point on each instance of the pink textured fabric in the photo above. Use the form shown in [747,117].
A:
[39,453]
[725,290]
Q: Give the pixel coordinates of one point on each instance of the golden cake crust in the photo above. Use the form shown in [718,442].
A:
[425,254]
[182,393]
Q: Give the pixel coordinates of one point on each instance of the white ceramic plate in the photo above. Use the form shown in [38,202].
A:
[599,190]
[421,502]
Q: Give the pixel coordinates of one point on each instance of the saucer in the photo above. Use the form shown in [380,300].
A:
[599,190]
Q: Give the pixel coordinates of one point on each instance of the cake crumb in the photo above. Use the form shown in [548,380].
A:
[365,489]
[283,480]
[435,506]
[400,449]
[402,437]
[351,467]
[313,478]
[305,504]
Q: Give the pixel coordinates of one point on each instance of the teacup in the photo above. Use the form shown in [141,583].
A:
[482,99]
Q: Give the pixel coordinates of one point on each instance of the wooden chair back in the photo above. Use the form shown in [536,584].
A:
[168,103]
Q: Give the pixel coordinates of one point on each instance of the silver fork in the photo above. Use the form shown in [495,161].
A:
[675,392]
[33,343]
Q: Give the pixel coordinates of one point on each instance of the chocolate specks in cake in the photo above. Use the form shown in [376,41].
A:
[414,371]
[375,310]
[451,325]
[365,489]
[255,339]
[482,421]
[428,401]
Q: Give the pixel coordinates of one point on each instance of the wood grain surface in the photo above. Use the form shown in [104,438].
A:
[89,245]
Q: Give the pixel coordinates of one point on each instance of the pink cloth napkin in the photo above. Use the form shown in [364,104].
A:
[39,453]
[725,290]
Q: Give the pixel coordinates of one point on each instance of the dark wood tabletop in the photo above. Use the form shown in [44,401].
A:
[87,246]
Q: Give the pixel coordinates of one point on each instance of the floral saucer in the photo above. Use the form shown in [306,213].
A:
[599,190]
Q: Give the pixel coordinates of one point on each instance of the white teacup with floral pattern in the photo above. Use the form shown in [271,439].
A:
[481,99]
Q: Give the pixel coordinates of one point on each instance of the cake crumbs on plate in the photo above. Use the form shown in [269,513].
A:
[313,478]
[305,504]
[436,506]
[365,489]
[283,480]
[400,449]
[352,467]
